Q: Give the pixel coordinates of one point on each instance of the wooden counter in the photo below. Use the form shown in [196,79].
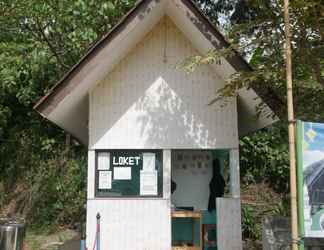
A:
[186,214]
[186,248]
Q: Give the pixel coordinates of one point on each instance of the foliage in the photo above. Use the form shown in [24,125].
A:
[260,200]
[59,195]
[253,214]
[257,31]
[40,169]
[42,181]
[251,227]
[264,158]
[283,207]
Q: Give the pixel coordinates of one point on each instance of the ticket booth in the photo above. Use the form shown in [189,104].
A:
[153,132]
[193,206]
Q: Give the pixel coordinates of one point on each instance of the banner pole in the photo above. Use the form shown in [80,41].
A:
[300,182]
[291,130]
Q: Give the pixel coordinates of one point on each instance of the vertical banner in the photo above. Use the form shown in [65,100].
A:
[310,156]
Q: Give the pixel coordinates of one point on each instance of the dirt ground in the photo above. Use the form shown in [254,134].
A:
[73,244]
[62,240]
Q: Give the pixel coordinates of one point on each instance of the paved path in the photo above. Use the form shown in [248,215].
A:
[73,244]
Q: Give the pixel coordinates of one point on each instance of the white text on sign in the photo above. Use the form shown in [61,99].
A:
[126,161]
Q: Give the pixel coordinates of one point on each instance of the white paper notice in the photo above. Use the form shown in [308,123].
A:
[148,182]
[122,173]
[104,180]
[103,161]
[149,162]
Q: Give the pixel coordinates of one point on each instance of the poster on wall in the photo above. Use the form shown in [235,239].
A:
[103,161]
[196,162]
[310,149]
[148,183]
[149,162]
[148,176]
[104,179]
[122,173]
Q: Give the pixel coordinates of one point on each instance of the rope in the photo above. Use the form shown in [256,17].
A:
[96,242]
[98,233]
[96,237]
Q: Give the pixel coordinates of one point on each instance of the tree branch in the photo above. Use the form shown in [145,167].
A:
[49,44]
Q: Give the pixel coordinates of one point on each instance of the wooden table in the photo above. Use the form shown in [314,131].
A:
[194,215]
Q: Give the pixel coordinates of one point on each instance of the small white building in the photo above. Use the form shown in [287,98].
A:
[145,121]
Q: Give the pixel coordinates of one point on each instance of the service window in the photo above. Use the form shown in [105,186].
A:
[129,173]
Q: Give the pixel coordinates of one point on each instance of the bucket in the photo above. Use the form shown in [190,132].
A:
[12,234]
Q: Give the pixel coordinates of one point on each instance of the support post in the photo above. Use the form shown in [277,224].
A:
[167,157]
[291,130]
[300,183]
[91,174]
[234,162]
[229,230]
[167,174]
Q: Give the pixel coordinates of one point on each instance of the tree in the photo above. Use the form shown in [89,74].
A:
[39,42]
[256,30]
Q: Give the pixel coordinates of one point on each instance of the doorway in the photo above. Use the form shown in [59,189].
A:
[193,224]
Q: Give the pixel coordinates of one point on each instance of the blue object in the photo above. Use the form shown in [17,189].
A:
[98,241]
[98,231]
[82,245]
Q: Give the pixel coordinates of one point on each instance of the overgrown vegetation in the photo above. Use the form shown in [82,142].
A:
[45,184]
[264,158]
[264,163]
[42,170]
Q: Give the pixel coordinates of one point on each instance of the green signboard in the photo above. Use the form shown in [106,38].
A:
[128,173]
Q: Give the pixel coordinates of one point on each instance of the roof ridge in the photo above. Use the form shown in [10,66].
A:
[239,63]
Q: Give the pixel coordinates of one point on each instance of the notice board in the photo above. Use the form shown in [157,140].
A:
[128,173]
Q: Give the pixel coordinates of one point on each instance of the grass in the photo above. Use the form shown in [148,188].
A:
[37,240]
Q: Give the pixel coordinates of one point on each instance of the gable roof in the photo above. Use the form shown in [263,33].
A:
[68,99]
